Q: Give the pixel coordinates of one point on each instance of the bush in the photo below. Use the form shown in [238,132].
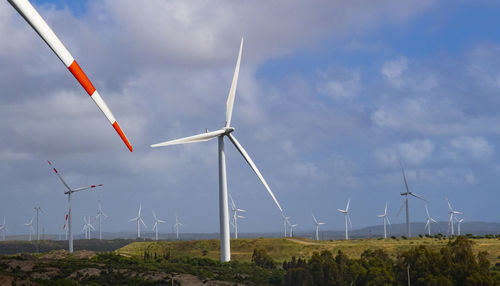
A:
[262,259]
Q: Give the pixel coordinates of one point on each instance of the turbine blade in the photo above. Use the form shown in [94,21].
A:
[133,219]
[433,220]
[449,205]
[232,91]
[154,215]
[314,218]
[254,168]
[86,188]
[232,202]
[143,223]
[59,176]
[347,207]
[427,211]
[404,176]
[25,9]
[400,209]
[349,219]
[192,139]
[387,218]
[418,197]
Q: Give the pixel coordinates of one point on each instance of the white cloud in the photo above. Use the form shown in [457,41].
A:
[473,147]
[393,70]
[414,152]
[339,83]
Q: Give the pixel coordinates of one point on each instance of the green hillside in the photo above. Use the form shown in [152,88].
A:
[282,249]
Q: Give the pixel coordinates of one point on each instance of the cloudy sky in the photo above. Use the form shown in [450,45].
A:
[329,96]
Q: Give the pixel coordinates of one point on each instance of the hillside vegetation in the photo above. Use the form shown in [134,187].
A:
[281,249]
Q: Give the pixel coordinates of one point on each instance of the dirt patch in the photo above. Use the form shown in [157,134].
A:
[24,265]
[50,272]
[55,254]
[302,242]
[84,254]
[86,272]
[6,280]
[188,279]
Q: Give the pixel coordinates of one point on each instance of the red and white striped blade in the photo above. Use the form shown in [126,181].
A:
[36,21]
[59,176]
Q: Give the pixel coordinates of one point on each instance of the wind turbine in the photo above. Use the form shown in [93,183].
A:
[177,225]
[292,226]
[317,224]
[346,217]
[99,216]
[139,221]
[87,227]
[225,131]
[429,221]
[155,226]
[25,9]
[286,221]
[30,226]
[37,209]
[69,192]
[406,194]
[452,213]
[459,222]
[3,229]
[235,216]
[385,218]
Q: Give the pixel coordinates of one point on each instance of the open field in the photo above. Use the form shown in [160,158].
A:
[282,249]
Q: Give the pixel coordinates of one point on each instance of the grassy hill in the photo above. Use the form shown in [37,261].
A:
[282,249]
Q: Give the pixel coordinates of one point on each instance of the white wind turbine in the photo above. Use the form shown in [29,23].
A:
[87,227]
[292,227]
[317,224]
[406,194]
[139,220]
[99,216]
[177,225]
[37,209]
[429,221]
[346,218]
[30,226]
[459,222]
[3,229]
[236,216]
[286,221]
[452,213]
[385,218]
[69,192]
[155,225]
[225,131]
[29,13]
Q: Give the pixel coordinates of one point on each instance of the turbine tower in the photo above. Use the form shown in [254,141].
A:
[177,225]
[346,218]
[385,218]
[225,131]
[99,216]
[286,221]
[292,226]
[25,9]
[406,194]
[37,210]
[155,225]
[87,227]
[459,222]
[69,192]
[30,226]
[3,229]
[452,213]
[317,224]
[139,220]
[429,221]
[236,216]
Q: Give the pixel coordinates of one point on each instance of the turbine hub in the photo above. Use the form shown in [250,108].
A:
[228,130]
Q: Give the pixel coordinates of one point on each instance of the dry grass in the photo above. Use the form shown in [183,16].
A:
[283,249]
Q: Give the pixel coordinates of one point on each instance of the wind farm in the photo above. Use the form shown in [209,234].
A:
[375,113]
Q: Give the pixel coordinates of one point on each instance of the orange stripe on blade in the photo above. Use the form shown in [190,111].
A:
[122,135]
[75,69]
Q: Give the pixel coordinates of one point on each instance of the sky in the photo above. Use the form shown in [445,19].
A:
[330,95]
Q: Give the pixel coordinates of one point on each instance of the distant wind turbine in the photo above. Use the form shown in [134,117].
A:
[69,192]
[225,250]
[87,227]
[459,222]
[37,210]
[99,216]
[292,227]
[346,218]
[385,218]
[155,225]
[3,229]
[286,221]
[236,216]
[406,194]
[139,220]
[176,226]
[316,225]
[30,226]
[429,221]
[452,213]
